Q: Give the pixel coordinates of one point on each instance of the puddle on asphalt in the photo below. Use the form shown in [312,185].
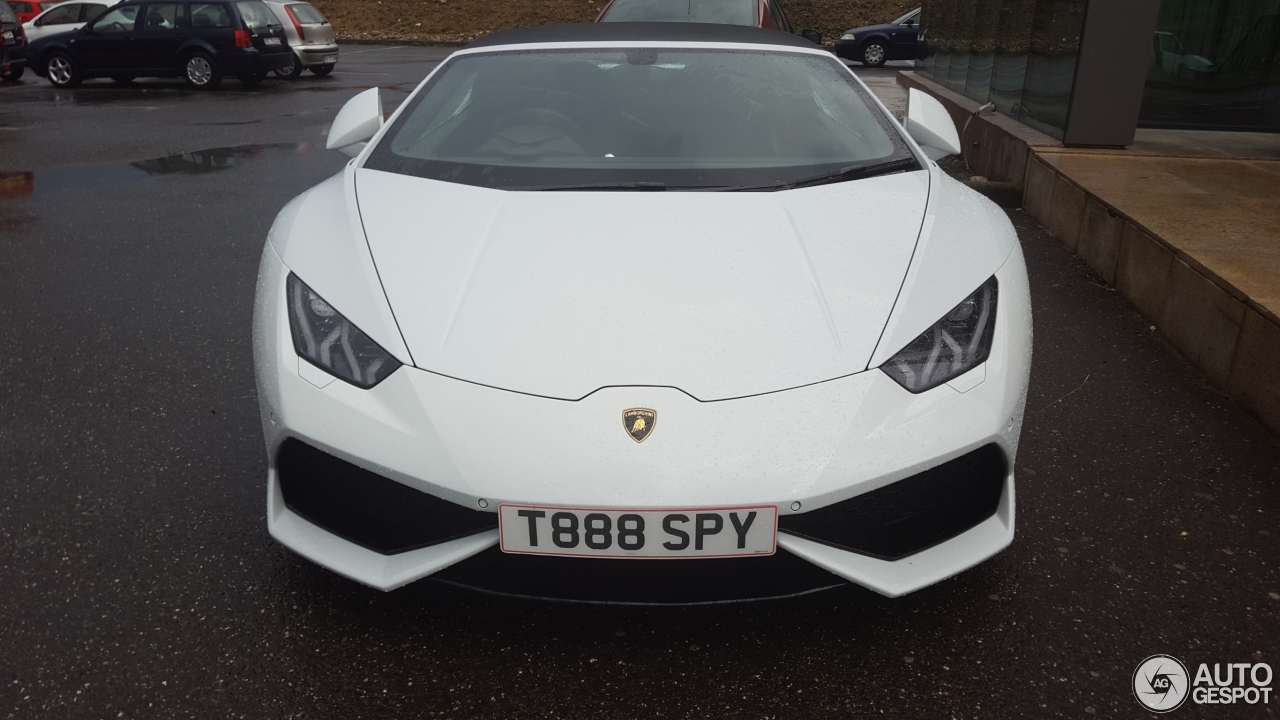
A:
[22,184]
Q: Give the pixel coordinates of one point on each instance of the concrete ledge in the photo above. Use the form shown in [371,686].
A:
[1231,337]
[996,146]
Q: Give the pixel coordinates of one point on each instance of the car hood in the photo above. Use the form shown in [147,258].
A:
[875,28]
[720,295]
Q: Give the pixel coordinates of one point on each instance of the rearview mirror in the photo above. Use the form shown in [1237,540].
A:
[357,122]
[929,124]
[812,36]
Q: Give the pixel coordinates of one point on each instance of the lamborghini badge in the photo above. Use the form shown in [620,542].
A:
[639,422]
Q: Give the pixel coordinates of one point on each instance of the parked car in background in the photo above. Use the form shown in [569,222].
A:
[310,37]
[13,44]
[28,9]
[64,17]
[1169,57]
[754,13]
[198,41]
[875,45]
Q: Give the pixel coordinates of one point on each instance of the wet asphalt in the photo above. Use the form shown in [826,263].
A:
[137,579]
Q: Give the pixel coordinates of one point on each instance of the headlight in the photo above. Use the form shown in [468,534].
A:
[848,36]
[957,343]
[330,341]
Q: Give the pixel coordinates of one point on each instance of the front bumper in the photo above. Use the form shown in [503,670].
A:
[806,448]
[847,49]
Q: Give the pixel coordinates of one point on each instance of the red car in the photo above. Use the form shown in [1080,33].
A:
[755,13]
[28,9]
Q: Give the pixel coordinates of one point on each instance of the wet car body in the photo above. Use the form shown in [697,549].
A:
[198,41]
[874,45]
[310,36]
[64,17]
[13,44]
[467,366]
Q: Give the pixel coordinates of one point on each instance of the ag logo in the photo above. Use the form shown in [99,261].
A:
[1161,683]
[639,422]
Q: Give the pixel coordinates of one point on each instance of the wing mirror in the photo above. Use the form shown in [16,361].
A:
[930,125]
[357,122]
[812,36]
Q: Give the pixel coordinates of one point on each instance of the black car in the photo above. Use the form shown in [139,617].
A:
[199,41]
[13,44]
[874,45]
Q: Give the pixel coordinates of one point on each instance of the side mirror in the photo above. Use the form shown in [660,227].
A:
[812,36]
[357,122]
[929,124]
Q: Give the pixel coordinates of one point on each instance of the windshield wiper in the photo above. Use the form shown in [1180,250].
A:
[851,172]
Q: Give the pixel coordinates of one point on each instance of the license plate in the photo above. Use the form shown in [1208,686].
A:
[661,534]
[8,36]
[271,41]
[330,59]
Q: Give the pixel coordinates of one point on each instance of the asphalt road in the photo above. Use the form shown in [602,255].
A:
[137,578]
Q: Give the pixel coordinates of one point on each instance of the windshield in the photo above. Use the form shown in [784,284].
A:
[725,12]
[256,14]
[6,13]
[680,118]
[904,18]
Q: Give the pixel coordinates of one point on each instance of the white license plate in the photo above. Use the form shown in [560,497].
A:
[271,41]
[330,59]
[691,533]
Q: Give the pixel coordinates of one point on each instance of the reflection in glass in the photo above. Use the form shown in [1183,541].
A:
[1021,54]
[1215,64]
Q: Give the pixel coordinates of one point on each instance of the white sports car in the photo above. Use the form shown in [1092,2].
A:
[601,296]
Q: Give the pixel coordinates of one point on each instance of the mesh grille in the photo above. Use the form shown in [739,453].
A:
[913,514]
[367,509]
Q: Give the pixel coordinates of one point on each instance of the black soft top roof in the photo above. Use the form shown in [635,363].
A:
[633,32]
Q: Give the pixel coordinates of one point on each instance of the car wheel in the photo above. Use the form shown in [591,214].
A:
[14,73]
[874,54]
[123,79]
[292,70]
[251,79]
[62,71]
[201,72]
[322,70]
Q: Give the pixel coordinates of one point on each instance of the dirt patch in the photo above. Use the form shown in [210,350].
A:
[460,21]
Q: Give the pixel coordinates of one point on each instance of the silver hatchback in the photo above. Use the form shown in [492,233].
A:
[310,37]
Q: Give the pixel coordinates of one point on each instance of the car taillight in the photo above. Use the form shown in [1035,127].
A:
[296,25]
[242,39]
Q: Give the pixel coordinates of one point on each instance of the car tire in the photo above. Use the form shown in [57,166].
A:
[321,70]
[874,54]
[123,79]
[14,74]
[200,71]
[251,79]
[292,71]
[62,70]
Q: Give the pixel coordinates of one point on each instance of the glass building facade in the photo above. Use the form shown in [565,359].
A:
[1018,54]
[1214,64]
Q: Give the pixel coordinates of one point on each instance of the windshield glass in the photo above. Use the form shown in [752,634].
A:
[904,18]
[257,15]
[725,12]
[6,13]
[682,118]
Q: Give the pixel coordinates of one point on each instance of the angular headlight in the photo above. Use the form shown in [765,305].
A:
[848,36]
[957,343]
[331,342]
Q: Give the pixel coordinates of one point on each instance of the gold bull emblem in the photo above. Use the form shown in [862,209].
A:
[639,423]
